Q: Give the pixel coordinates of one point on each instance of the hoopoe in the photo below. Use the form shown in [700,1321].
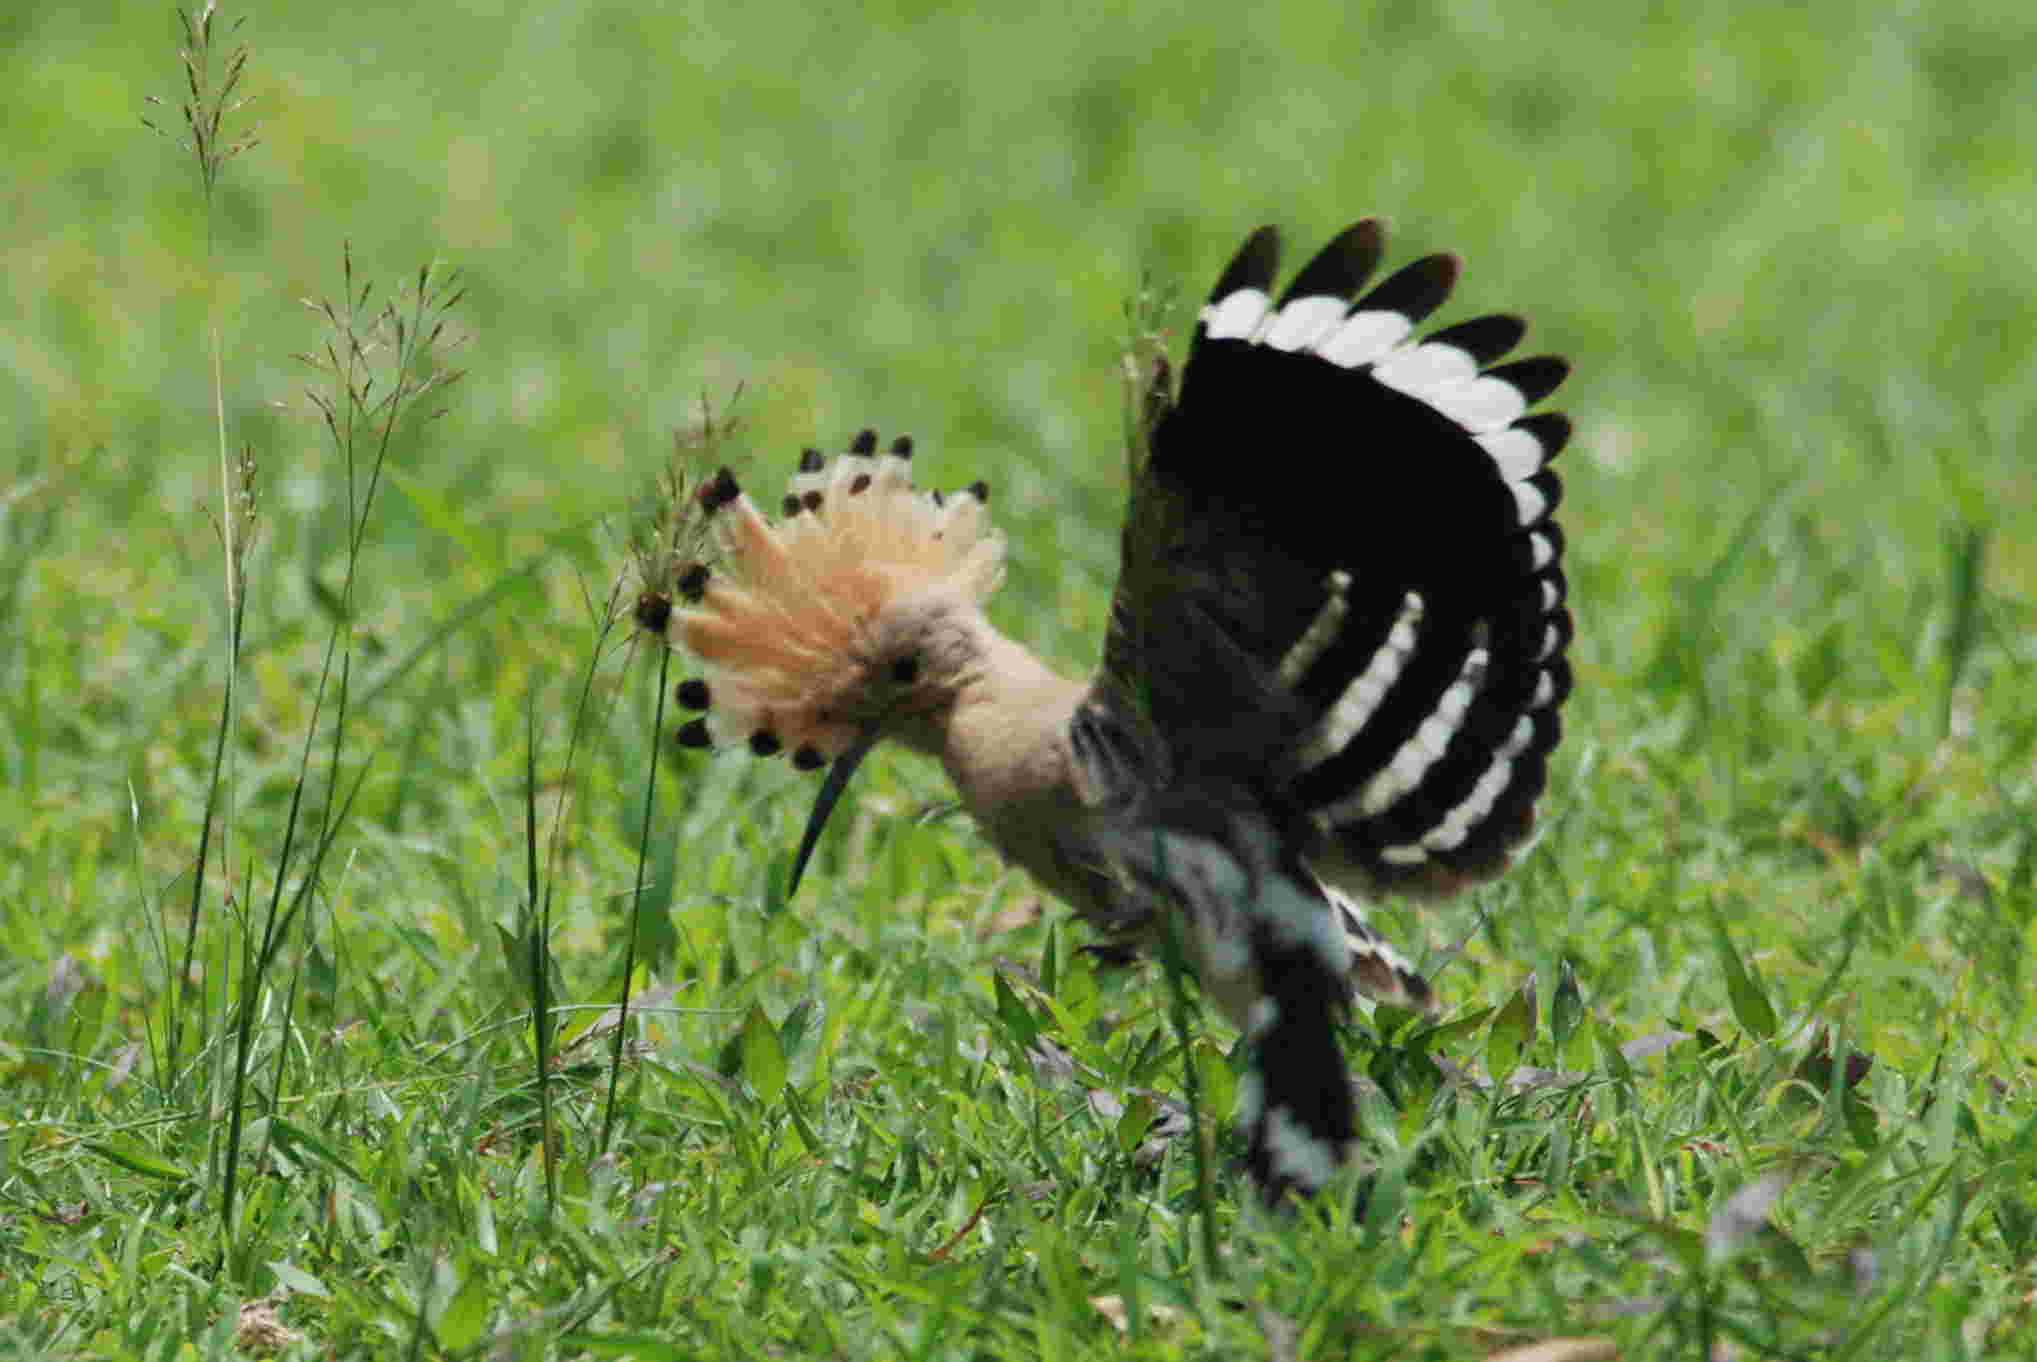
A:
[1333,669]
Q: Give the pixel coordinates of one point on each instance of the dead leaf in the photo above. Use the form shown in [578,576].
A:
[1024,913]
[1561,1350]
[1113,1309]
[261,1330]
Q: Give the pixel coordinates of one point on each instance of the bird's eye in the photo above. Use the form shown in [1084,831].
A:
[905,671]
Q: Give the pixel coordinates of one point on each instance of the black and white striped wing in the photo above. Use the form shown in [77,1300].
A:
[1365,514]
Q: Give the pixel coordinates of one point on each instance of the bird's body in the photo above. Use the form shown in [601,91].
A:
[1334,664]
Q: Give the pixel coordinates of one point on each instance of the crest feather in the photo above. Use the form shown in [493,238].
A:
[785,624]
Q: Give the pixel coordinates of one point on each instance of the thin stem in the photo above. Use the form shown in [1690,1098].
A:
[538,931]
[629,955]
[1175,962]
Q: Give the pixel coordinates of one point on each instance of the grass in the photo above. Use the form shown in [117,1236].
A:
[1738,1064]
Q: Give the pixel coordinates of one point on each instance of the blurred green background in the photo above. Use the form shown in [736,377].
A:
[1791,260]
[1790,250]
[1790,257]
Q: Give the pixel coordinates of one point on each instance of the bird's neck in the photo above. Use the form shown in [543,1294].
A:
[1003,737]
[1002,707]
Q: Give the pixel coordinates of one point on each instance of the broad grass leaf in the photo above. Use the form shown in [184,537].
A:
[302,1143]
[1020,1026]
[466,1314]
[763,1055]
[796,1109]
[138,1160]
[1133,1122]
[1513,1030]
[1743,986]
[1566,1009]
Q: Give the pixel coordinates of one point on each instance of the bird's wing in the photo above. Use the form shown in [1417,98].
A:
[1362,517]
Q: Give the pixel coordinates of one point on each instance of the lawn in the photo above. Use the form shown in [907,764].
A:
[327,744]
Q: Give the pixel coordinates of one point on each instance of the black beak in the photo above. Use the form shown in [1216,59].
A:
[830,794]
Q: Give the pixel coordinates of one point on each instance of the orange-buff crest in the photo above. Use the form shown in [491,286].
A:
[784,626]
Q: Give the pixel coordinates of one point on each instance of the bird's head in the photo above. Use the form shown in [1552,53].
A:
[846,621]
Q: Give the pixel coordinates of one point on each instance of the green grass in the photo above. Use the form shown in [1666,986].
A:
[1783,1109]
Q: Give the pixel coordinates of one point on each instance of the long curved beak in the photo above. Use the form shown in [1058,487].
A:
[830,794]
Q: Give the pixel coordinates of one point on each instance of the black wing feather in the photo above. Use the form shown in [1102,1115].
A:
[1404,468]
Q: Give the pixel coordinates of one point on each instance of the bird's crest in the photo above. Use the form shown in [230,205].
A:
[780,613]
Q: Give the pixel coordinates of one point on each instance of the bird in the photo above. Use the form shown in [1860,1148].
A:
[1334,665]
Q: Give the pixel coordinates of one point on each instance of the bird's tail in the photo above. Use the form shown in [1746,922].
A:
[779,613]
[1378,970]
[1264,941]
